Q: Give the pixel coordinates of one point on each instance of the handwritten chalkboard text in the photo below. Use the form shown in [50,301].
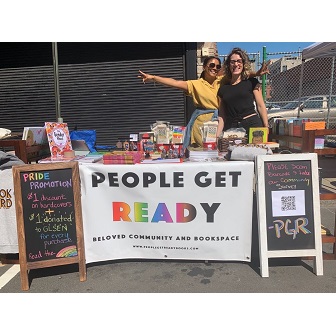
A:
[49,214]
[299,225]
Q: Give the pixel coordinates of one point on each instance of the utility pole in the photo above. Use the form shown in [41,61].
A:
[263,78]
[56,82]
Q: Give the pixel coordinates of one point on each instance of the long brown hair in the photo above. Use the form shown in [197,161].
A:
[246,65]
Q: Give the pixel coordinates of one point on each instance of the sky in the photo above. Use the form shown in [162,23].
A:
[176,21]
[224,48]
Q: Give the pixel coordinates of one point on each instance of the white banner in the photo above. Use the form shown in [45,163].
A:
[190,210]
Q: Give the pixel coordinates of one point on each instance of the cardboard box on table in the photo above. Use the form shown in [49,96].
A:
[321,125]
[298,126]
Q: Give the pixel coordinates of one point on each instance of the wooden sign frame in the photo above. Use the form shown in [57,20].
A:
[279,174]
[39,169]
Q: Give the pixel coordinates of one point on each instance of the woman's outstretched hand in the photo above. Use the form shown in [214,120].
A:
[264,69]
[145,77]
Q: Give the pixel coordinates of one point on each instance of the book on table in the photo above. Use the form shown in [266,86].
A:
[80,147]
[82,159]
[50,159]
[258,135]
[34,135]
[58,138]
[90,158]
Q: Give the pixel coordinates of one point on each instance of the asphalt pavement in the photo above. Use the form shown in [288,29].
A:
[184,276]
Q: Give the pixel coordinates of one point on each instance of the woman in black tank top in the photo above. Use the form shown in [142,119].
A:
[240,97]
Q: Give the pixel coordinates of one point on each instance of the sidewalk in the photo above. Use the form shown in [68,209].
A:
[286,275]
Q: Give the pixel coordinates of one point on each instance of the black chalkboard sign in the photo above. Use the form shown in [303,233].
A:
[49,217]
[289,208]
[48,214]
[289,205]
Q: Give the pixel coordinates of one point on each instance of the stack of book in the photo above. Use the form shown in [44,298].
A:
[90,158]
[122,157]
[51,159]
[210,155]
[82,159]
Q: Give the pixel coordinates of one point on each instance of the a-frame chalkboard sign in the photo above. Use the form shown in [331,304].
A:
[289,216]
[49,217]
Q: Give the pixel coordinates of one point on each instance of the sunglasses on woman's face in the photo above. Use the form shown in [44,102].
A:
[238,61]
[213,65]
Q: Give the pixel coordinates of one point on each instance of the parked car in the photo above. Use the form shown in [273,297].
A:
[313,107]
[272,106]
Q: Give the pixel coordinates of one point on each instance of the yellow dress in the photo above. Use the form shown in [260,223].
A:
[204,96]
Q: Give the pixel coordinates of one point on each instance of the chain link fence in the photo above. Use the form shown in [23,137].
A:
[303,88]
[299,88]
[308,86]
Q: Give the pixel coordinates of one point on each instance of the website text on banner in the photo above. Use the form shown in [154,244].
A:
[194,210]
